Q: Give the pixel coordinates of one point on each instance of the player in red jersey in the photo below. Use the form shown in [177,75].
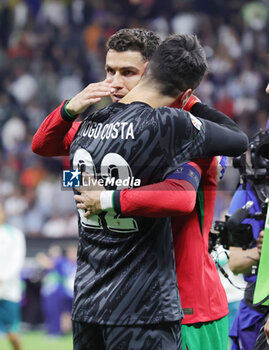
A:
[128,52]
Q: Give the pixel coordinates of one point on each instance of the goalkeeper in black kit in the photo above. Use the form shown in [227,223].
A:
[126,293]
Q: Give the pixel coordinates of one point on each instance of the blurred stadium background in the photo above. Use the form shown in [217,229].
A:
[50,50]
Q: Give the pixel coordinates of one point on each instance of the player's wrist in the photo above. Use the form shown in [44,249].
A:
[67,113]
[106,200]
[70,108]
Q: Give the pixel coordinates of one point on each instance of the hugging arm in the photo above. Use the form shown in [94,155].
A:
[223,135]
[174,196]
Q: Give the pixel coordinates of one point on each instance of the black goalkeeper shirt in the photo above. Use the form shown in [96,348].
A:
[126,272]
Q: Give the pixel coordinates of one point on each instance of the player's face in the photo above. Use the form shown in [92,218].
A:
[124,69]
[267,89]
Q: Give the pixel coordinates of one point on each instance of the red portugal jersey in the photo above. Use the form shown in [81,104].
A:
[202,294]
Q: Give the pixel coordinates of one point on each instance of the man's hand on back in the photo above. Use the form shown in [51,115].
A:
[89,201]
[88,198]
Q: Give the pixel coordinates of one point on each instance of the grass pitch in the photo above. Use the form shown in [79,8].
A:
[40,341]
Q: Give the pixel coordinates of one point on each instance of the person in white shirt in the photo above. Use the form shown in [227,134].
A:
[12,256]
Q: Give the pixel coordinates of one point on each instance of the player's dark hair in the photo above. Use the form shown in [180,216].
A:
[134,39]
[178,64]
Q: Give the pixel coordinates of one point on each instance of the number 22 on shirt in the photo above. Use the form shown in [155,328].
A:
[111,164]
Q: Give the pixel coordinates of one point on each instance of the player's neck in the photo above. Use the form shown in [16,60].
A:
[146,94]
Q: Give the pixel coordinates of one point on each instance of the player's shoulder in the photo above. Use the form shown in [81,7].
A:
[168,113]
[176,112]
[133,109]
[104,112]
[179,117]
[171,111]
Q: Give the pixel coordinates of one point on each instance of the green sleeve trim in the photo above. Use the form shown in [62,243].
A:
[69,115]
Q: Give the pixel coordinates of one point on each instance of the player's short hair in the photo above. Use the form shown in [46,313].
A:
[178,64]
[134,39]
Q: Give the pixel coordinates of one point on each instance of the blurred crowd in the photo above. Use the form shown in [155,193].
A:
[48,290]
[50,50]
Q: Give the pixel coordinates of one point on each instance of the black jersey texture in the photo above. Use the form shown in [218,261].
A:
[126,272]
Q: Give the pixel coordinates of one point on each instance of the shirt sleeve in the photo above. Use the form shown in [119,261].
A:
[223,135]
[56,133]
[183,136]
[172,197]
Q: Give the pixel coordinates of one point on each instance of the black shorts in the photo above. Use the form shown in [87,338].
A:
[163,336]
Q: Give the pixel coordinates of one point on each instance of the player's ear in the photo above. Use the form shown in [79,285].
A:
[144,68]
[185,96]
[182,99]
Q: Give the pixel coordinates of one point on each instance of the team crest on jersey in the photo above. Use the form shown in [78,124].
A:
[196,122]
